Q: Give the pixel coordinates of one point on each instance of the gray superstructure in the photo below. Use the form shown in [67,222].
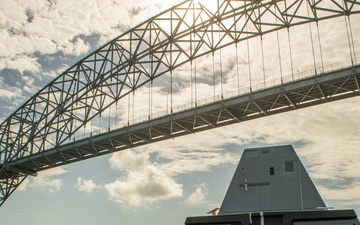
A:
[271,186]
[270,179]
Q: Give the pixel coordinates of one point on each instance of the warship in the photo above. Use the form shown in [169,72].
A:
[271,187]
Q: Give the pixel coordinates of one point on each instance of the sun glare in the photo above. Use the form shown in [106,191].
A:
[211,5]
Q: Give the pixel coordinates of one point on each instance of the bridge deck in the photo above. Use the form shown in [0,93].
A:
[315,90]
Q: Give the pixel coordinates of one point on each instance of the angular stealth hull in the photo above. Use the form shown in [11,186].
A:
[271,186]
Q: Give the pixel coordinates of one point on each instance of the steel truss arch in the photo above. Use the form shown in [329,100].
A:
[153,48]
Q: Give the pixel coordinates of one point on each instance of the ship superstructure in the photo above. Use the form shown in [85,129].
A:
[271,186]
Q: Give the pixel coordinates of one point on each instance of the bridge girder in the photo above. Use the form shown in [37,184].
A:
[154,48]
[328,87]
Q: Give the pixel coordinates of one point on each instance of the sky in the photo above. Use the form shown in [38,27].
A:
[165,182]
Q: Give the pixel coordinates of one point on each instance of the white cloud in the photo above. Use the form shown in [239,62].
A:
[129,160]
[45,180]
[345,195]
[140,189]
[198,198]
[86,185]
[48,27]
[24,185]
[21,63]
[9,93]
[144,183]
[196,158]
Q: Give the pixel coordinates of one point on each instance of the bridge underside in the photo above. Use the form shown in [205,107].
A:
[307,92]
[36,136]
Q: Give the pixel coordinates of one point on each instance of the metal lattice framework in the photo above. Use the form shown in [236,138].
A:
[156,47]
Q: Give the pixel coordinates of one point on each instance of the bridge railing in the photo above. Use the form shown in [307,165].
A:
[227,95]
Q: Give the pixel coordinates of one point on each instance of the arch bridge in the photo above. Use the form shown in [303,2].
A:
[43,132]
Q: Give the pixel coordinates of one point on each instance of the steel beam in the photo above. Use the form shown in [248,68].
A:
[153,48]
[256,104]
